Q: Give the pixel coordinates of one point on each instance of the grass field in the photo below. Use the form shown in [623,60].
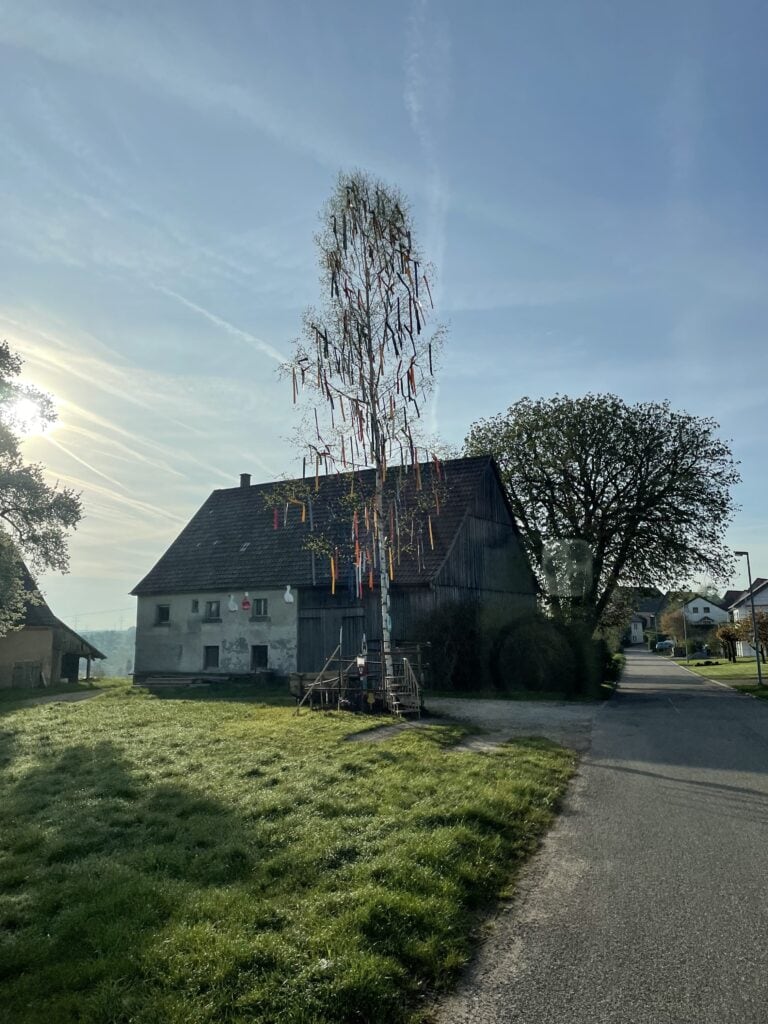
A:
[727,671]
[753,689]
[191,860]
[18,696]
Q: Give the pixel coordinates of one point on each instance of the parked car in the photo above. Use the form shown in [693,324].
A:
[665,645]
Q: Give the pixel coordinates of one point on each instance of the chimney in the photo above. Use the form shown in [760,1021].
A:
[245,479]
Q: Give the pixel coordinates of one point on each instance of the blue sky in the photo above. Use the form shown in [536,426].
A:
[589,179]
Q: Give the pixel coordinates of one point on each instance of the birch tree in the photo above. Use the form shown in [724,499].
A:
[364,364]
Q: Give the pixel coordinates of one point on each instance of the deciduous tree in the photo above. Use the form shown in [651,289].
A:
[35,517]
[607,493]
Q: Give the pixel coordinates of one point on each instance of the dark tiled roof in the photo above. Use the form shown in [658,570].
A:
[743,595]
[37,612]
[232,541]
[649,604]
[708,601]
[730,596]
[38,615]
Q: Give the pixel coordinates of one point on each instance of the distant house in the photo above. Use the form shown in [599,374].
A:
[44,651]
[647,605]
[239,591]
[740,609]
[701,611]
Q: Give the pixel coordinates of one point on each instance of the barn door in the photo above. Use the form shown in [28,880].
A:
[352,636]
[309,656]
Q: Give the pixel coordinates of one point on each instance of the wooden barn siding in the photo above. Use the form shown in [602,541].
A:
[485,564]
[486,557]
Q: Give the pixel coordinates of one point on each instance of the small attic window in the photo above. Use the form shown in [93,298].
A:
[162,614]
[243,547]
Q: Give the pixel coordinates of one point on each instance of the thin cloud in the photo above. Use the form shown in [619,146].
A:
[236,332]
[115,45]
[88,466]
[120,499]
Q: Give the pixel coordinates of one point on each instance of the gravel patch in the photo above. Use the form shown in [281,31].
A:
[497,721]
[569,724]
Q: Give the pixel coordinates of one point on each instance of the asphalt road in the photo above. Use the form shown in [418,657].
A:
[649,902]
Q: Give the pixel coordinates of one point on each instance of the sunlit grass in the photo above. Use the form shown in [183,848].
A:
[207,861]
[742,668]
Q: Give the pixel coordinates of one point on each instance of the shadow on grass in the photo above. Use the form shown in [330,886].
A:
[93,866]
[270,695]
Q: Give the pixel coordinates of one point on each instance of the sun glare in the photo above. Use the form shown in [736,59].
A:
[24,417]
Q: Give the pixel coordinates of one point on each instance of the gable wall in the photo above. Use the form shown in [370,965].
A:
[715,613]
[487,557]
[178,646]
[30,646]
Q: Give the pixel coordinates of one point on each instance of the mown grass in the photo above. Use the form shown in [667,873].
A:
[742,668]
[753,689]
[204,861]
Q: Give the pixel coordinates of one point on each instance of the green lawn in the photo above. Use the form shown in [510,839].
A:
[189,860]
[727,671]
[756,691]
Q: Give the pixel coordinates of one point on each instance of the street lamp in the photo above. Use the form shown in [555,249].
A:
[685,635]
[745,554]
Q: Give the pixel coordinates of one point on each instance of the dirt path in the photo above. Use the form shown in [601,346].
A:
[52,698]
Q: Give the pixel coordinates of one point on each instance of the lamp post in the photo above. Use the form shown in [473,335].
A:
[685,634]
[745,554]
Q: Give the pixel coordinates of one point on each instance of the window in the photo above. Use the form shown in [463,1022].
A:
[195,606]
[706,609]
[162,614]
[259,657]
[259,608]
[210,657]
[213,611]
[695,609]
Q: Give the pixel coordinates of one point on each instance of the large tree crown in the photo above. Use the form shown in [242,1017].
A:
[646,487]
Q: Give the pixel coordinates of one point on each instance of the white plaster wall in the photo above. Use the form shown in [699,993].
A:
[178,646]
[744,611]
[715,614]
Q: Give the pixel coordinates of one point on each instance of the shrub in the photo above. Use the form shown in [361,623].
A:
[535,653]
[454,634]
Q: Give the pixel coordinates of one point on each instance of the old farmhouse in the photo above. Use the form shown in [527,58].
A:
[264,576]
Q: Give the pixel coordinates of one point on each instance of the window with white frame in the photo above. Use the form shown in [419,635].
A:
[213,611]
[259,608]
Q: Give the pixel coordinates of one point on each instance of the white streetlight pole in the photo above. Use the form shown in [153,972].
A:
[745,554]
[685,634]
